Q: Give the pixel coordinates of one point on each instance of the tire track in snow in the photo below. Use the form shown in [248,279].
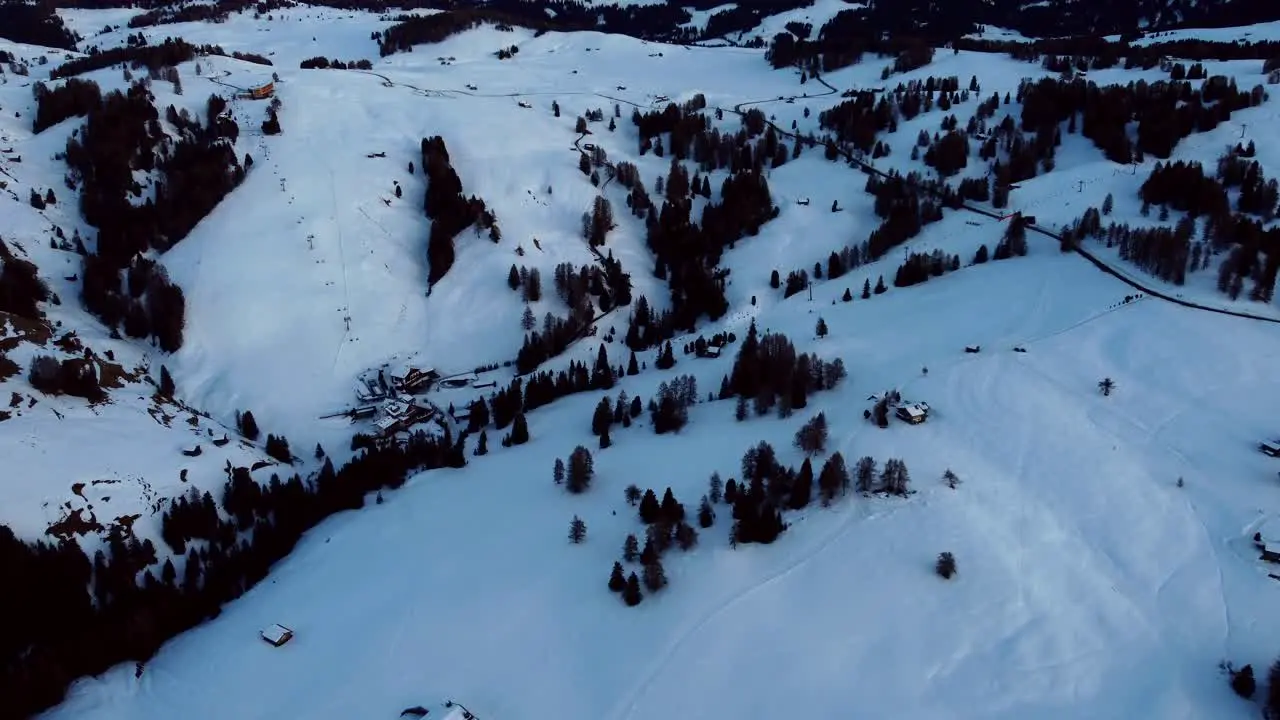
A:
[852,513]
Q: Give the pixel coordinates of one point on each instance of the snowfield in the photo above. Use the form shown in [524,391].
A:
[1090,584]
[1104,543]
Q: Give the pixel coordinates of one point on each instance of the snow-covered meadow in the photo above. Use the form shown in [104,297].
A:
[1092,583]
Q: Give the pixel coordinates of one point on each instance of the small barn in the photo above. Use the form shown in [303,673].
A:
[1269,447]
[914,413]
[277,635]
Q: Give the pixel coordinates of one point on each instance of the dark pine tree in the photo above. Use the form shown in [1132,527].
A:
[631,594]
[617,581]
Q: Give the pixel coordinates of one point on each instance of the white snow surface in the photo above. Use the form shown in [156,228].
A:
[1090,584]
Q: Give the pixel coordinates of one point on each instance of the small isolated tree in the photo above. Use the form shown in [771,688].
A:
[617,581]
[951,479]
[811,438]
[482,444]
[631,549]
[319,451]
[1108,203]
[632,494]
[946,565]
[1106,385]
[577,530]
[822,328]
[1243,683]
[557,473]
[580,472]
[631,594]
[166,383]
[248,426]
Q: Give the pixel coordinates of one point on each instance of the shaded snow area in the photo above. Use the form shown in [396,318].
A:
[1104,542]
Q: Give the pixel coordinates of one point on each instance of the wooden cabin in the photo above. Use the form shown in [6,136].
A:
[277,635]
[915,413]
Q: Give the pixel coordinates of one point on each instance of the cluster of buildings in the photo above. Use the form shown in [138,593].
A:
[389,398]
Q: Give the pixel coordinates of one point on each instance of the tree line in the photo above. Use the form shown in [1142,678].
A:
[74,615]
[450,211]
[121,135]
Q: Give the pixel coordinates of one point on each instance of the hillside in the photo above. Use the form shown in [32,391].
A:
[444,209]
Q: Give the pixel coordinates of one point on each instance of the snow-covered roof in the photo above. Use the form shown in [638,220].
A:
[915,409]
[1270,531]
[276,633]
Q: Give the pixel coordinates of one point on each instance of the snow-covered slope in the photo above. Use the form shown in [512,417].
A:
[78,468]
[1092,582]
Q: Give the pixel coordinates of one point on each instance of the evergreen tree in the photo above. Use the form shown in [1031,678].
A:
[632,367]
[580,472]
[631,593]
[866,288]
[670,511]
[686,536]
[632,494]
[822,328]
[482,445]
[740,412]
[519,430]
[617,581]
[513,278]
[706,516]
[577,530]
[166,383]
[847,297]
[605,440]
[319,451]
[248,426]
[558,471]
[655,577]
[946,565]
[715,488]
[802,488]
[811,438]
[1243,683]
[631,549]
[866,474]
[602,418]
[880,288]
[650,509]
